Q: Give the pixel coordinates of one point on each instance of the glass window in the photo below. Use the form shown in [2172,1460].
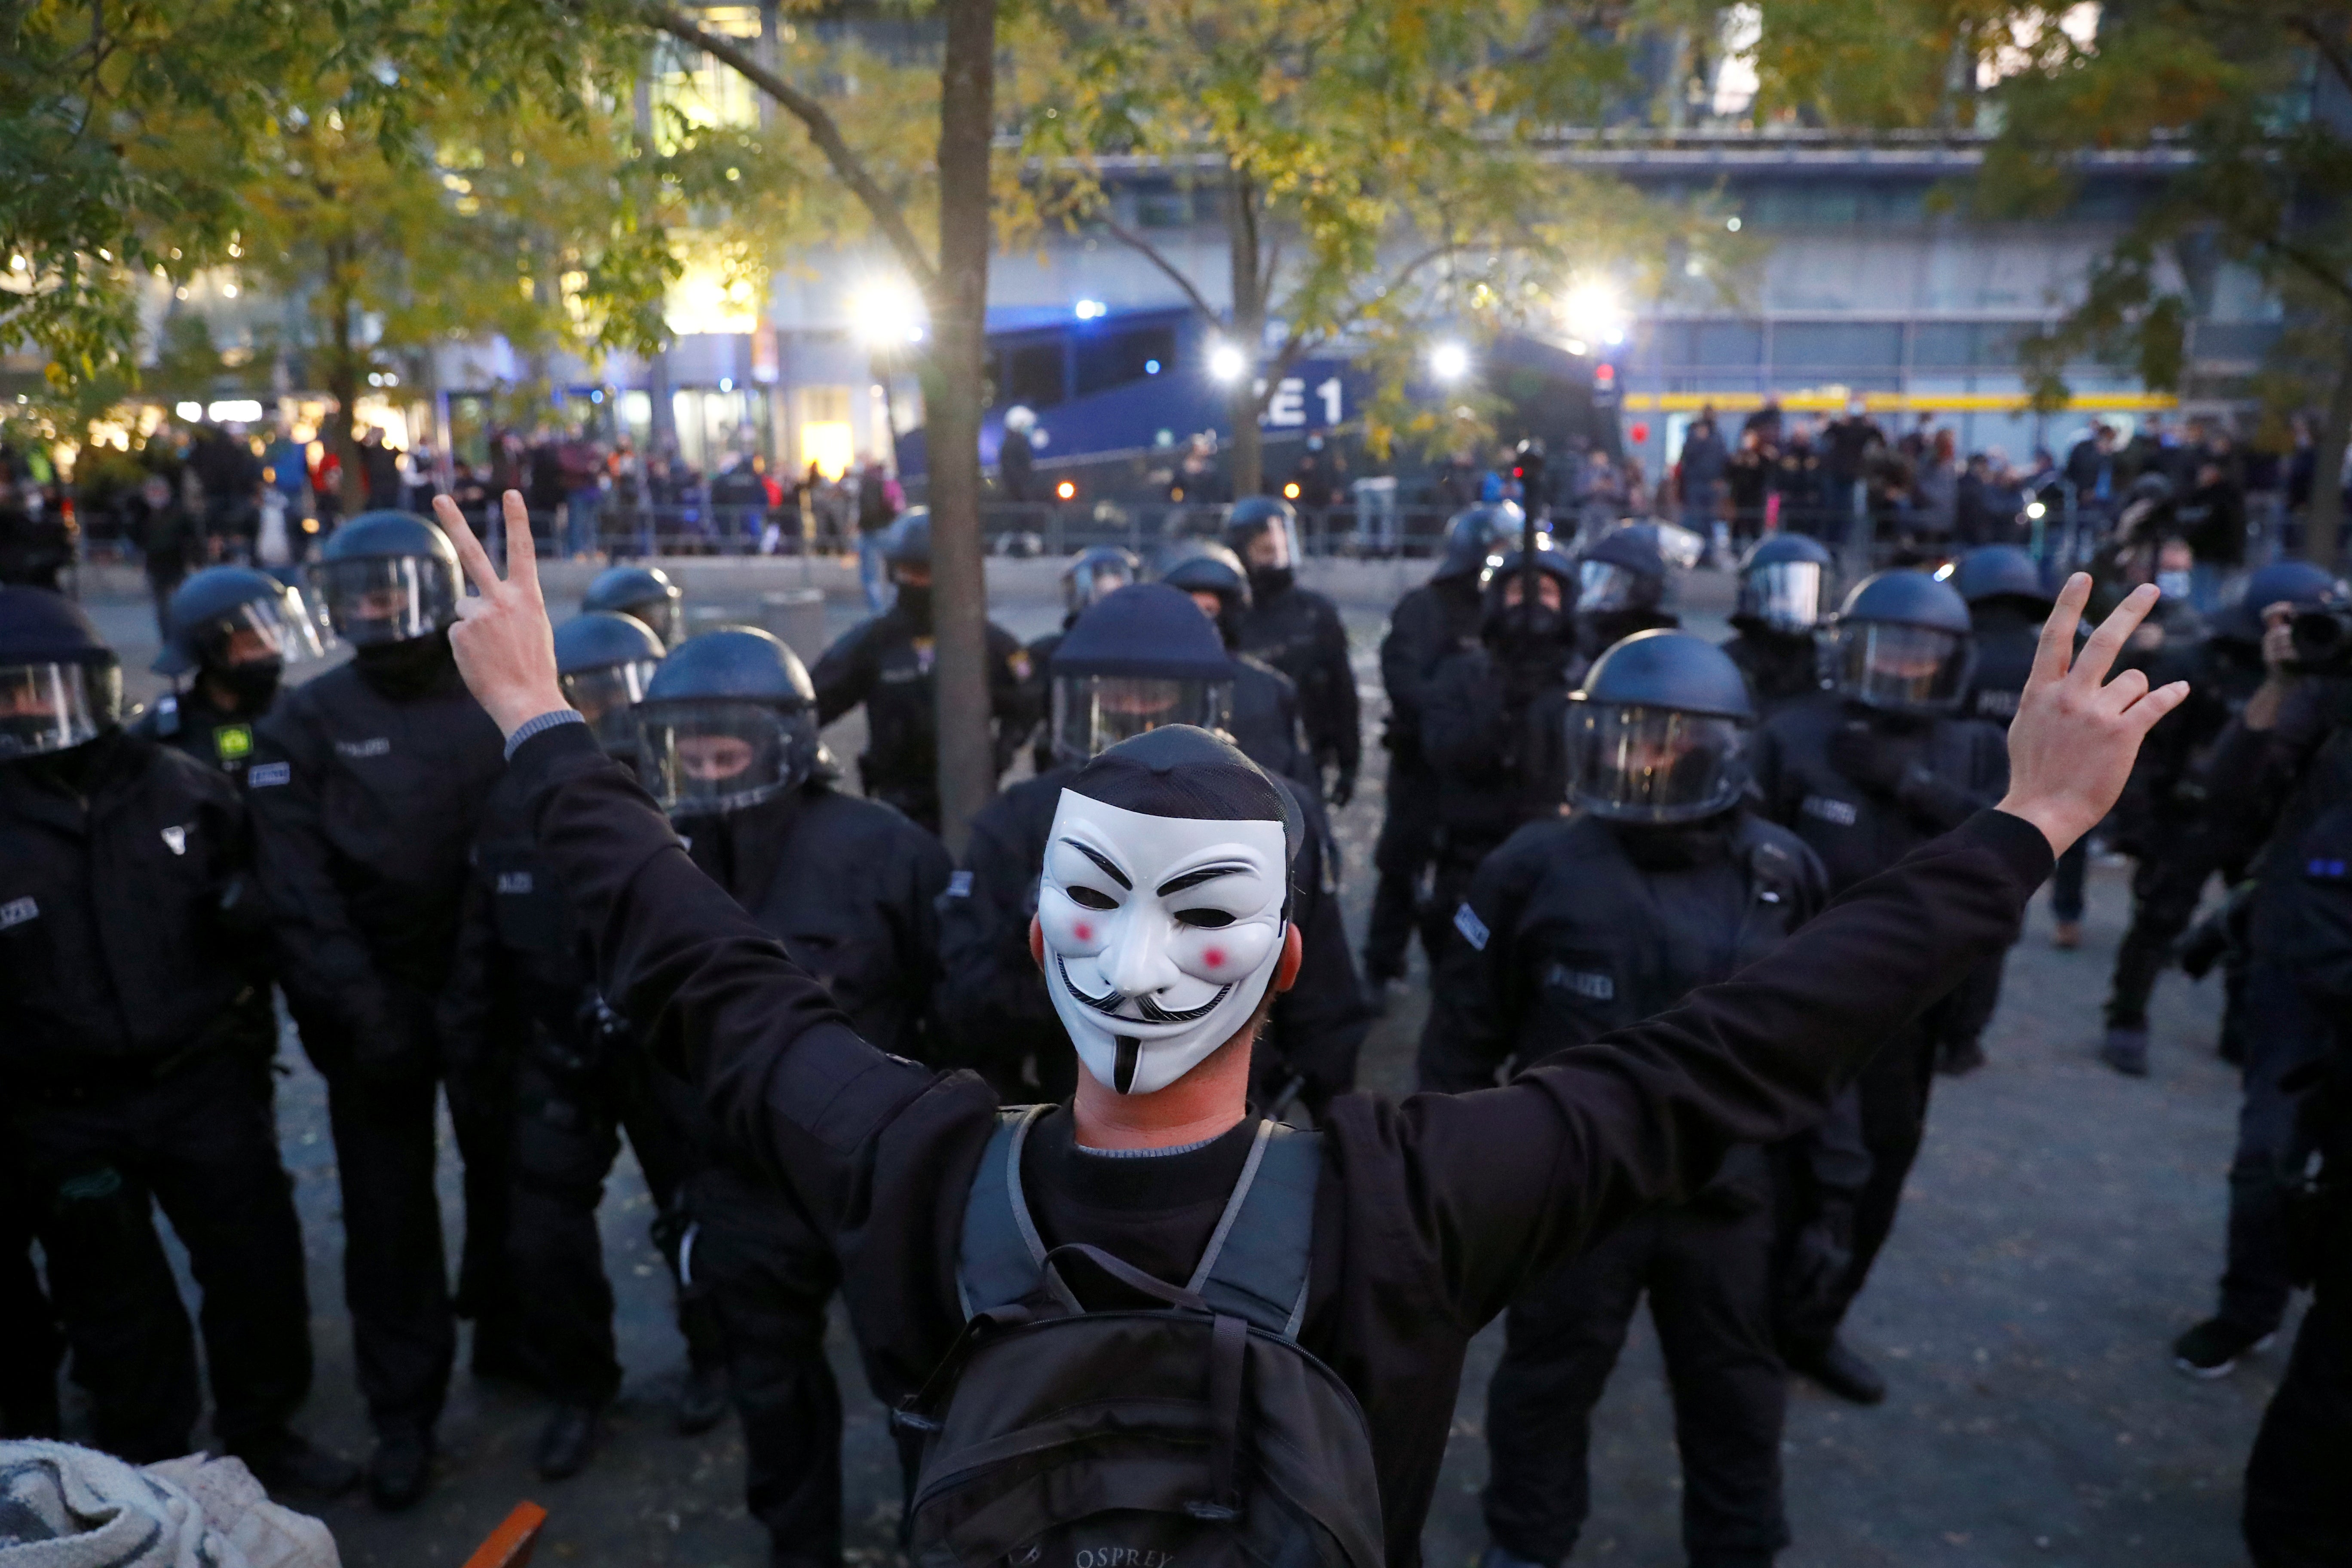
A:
[1114,359]
[1033,374]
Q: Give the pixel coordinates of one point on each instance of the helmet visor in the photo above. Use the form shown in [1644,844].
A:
[52,707]
[260,629]
[1905,669]
[1634,764]
[702,757]
[1605,585]
[604,697]
[1785,596]
[388,598]
[1092,713]
[1091,581]
[1270,548]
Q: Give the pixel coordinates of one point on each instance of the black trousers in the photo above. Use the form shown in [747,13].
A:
[2298,1512]
[202,1142]
[30,1347]
[1709,1278]
[1893,1089]
[771,1275]
[2283,1034]
[567,1132]
[395,1273]
[1402,855]
[2166,888]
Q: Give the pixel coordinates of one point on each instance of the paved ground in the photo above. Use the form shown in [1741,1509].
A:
[2060,1226]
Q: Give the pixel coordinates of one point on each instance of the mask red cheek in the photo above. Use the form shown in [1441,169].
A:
[1214,958]
[1083,932]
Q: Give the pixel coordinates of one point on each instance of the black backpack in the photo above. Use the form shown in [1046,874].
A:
[1193,1435]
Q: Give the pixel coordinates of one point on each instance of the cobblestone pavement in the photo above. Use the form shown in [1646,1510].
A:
[2062,1224]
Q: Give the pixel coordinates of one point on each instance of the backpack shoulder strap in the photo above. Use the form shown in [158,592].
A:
[1255,1265]
[1002,1257]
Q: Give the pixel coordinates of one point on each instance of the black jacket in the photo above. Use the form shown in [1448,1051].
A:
[995,1001]
[1779,670]
[884,662]
[127,920]
[1495,734]
[1960,766]
[365,809]
[1265,723]
[1431,622]
[189,721]
[1300,633]
[1432,1214]
[2007,639]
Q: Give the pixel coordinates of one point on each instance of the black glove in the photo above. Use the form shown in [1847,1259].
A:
[1343,786]
[1876,761]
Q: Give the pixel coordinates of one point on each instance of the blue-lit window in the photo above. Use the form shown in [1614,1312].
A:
[1114,359]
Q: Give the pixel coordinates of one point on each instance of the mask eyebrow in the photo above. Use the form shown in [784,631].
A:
[1113,872]
[1193,879]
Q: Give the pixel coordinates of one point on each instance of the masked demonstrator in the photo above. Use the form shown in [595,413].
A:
[1865,773]
[137,1066]
[1092,572]
[235,632]
[886,664]
[523,1007]
[1784,585]
[1299,632]
[1429,625]
[1661,882]
[1271,1320]
[367,788]
[1141,659]
[848,887]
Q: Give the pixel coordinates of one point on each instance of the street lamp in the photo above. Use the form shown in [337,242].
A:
[1226,361]
[885,314]
[1449,362]
[1593,312]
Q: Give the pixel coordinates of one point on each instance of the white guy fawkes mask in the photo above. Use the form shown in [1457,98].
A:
[1161,934]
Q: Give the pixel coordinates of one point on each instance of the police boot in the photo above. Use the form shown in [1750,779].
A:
[401,1465]
[702,1393]
[1840,1372]
[567,1442]
[288,1463]
[2125,1050]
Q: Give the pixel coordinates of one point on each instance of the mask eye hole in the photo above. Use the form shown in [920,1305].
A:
[1091,899]
[1208,920]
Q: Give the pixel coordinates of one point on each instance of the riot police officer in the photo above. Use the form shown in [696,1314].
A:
[1494,724]
[1783,584]
[2167,820]
[128,917]
[1264,719]
[522,1001]
[1620,589]
[886,664]
[366,789]
[1866,773]
[1300,633]
[848,887]
[237,631]
[1661,881]
[1141,659]
[1092,572]
[1431,622]
[643,594]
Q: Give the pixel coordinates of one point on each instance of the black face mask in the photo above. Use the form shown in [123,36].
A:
[1266,582]
[404,669]
[69,772]
[1676,847]
[915,605]
[253,685]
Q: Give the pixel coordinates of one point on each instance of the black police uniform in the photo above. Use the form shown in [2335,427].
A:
[1574,928]
[191,721]
[1858,831]
[128,924]
[1429,625]
[521,998]
[1431,1214]
[1298,632]
[848,887]
[1779,668]
[993,997]
[1493,732]
[885,663]
[367,787]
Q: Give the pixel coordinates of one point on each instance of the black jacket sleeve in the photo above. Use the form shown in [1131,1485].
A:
[844,673]
[1462,728]
[992,998]
[1335,722]
[1474,997]
[1318,1025]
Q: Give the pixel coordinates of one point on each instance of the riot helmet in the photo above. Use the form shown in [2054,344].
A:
[603,662]
[60,685]
[1660,732]
[1994,571]
[388,577]
[1264,531]
[1212,572]
[729,721]
[1621,569]
[1094,573]
[1784,584]
[1475,536]
[241,627]
[1140,659]
[907,552]
[1902,644]
[2296,582]
[644,592]
[1516,627]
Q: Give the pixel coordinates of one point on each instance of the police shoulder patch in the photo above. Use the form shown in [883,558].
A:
[233,743]
[261,775]
[1474,929]
[1828,808]
[17,911]
[960,885]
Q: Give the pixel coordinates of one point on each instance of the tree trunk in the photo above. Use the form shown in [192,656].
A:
[2322,520]
[340,433]
[1246,459]
[951,393]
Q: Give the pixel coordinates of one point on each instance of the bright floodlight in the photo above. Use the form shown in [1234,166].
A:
[1449,362]
[886,313]
[1089,310]
[2034,509]
[1594,313]
[1227,362]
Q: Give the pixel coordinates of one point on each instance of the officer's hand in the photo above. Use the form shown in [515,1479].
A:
[1343,786]
[2076,733]
[505,647]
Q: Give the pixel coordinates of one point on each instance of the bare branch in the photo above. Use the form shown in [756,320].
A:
[1150,253]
